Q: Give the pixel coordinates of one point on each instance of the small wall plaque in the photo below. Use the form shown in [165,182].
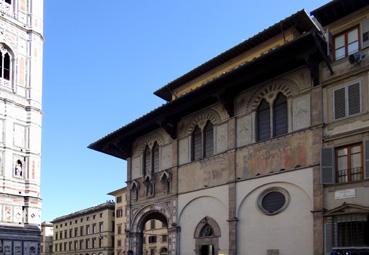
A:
[346,193]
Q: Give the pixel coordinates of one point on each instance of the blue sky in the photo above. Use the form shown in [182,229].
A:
[102,62]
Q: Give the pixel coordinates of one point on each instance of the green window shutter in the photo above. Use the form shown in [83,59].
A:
[366,159]
[339,103]
[327,166]
[354,99]
[365,33]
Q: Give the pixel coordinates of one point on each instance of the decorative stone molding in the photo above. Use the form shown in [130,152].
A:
[149,139]
[287,87]
[201,118]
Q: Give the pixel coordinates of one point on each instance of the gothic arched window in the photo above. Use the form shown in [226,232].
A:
[280,116]
[196,144]
[5,63]
[208,140]
[263,121]
[147,161]
[155,158]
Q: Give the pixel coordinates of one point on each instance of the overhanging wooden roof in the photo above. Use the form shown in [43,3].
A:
[300,20]
[307,50]
[337,9]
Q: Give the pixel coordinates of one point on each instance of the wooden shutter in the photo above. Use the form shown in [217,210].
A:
[327,166]
[263,121]
[147,161]
[354,99]
[339,103]
[196,144]
[208,139]
[365,33]
[328,238]
[366,159]
[155,158]
[280,116]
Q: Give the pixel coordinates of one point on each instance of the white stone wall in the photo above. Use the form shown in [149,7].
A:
[21,31]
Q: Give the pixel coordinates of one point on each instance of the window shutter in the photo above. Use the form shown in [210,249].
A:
[327,166]
[196,144]
[280,116]
[155,158]
[365,33]
[339,103]
[354,98]
[328,240]
[209,139]
[263,121]
[366,159]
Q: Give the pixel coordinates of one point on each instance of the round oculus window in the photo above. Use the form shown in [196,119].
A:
[273,201]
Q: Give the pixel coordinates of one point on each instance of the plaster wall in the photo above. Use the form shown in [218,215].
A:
[290,231]
[193,207]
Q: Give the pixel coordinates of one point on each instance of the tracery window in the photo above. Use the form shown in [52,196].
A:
[151,159]
[202,143]
[278,112]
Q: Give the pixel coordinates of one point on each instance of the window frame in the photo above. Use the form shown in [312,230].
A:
[347,110]
[345,33]
[349,177]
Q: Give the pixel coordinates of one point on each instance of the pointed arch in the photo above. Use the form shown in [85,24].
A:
[280,115]
[263,131]
[196,152]
[208,139]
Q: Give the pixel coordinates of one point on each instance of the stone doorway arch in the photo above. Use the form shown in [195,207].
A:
[145,215]
[207,234]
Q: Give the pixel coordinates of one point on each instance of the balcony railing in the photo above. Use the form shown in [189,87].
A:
[350,175]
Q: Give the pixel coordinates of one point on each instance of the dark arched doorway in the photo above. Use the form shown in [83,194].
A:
[153,231]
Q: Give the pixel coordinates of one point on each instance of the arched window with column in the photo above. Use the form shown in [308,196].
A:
[196,144]
[263,121]
[280,115]
[147,161]
[208,139]
[155,158]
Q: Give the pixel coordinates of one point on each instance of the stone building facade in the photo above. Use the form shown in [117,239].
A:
[248,154]
[47,233]
[86,232]
[120,196]
[21,54]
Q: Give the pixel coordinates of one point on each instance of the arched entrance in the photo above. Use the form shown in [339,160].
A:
[152,234]
[207,235]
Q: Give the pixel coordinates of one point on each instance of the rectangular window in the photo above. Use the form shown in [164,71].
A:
[81,231]
[70,233]
[88,229]
[101,225]
[152,239]
[75,232]
[346,43]
[119,229]
[87,243]
[80,244]
[164,238]
[119,213]
[94,228]
[152,224]
[119,199]
[351,231]
[347,101]
[349,163]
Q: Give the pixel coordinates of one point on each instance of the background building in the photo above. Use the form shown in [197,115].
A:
[21,53]
[47,233]
[155,240]
[89,231]
[120,220]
